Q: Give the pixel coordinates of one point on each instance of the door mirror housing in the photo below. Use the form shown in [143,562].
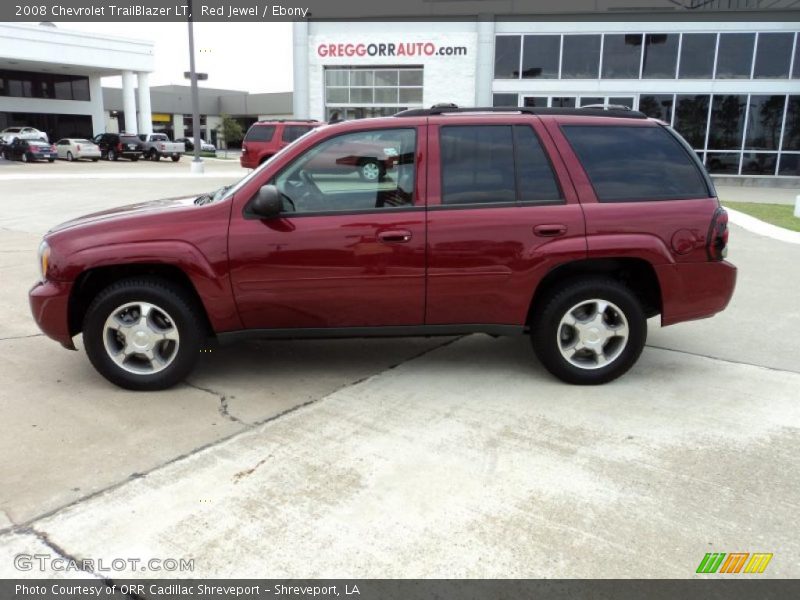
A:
[267,203]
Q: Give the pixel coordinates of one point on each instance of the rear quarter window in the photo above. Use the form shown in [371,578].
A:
[129,139]
[260,133]
[630,163]
[292,132]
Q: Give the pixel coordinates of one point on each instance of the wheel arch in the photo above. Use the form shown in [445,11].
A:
[93,280]
[636,273]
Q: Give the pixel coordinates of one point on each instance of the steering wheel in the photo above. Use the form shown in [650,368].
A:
[308,181]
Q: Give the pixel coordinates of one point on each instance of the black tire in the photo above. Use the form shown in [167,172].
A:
[70,158]
[154,156]
[546,334]
[25,157]
[51,160]
[166,296]
[176,158]
[134,158]
[112,155]
[95,160]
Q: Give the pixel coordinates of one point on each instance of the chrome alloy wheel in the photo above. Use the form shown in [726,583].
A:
[141,338]
[370,171]
[592,334]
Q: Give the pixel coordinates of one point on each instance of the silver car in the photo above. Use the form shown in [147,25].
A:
[77,148]
[9,134]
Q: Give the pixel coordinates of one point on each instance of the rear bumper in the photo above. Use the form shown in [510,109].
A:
[50,307]
[692,291]
[248,162]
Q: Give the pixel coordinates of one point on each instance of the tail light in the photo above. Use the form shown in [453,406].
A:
[78,147]
[717,246]
[119,146]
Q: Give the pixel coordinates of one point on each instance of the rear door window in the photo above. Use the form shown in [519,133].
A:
[495,164]
[630,163]
[292,132]
[260,133]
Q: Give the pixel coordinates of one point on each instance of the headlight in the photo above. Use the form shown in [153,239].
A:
[44,258]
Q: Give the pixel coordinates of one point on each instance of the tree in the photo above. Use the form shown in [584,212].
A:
[230,130]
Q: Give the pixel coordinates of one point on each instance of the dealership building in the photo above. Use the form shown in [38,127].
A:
[50,79]
[731,88]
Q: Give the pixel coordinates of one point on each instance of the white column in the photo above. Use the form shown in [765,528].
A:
[129,102]
[300,69]
[485,61]
[177,126]
[145,112]
[98,109]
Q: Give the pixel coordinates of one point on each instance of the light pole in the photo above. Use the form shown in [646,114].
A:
[197,162]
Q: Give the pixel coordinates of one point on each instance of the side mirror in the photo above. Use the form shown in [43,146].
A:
[268,203]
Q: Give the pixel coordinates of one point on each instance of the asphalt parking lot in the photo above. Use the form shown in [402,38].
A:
[448,457]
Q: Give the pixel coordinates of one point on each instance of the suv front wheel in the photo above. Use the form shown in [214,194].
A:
[589,332]
[143,334]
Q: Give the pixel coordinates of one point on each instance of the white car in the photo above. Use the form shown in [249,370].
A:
[9,134]
[77,148]
[204,145]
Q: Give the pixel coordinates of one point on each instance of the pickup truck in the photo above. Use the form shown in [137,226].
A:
[157,145]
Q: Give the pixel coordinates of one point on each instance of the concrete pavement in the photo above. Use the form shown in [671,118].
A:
[402,458]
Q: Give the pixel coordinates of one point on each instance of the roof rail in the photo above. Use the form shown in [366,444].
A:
[605,110]
[286,120]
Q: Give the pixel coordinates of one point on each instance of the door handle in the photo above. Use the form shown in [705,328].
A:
[395,236]
[553,230]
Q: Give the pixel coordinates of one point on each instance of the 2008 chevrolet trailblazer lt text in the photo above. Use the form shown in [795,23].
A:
[571,225]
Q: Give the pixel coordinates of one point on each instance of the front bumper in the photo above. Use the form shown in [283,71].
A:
[50,307]
[692,291]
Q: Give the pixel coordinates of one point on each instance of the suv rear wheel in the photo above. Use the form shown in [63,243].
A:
[589,332]
[143,333]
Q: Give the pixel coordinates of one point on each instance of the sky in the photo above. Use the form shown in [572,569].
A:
[253,57]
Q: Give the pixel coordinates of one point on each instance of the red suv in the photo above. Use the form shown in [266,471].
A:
[265,138]
[570,225]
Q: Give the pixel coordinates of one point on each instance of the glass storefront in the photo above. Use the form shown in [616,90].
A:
[360,92]
[757,55]
[753,129]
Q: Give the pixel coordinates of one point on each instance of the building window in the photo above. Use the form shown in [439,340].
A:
[506,56]
[504,100]
[796,61]
[536,101]
[773,55]
[735,55]
[354,93]
[691,118]
[697,56]
[660,55]
[563,101]
[759,163]
[791,134]
[589,100]
[24,84]
[581,57]
[727,122]
[658,106]
[540,56]
[621,56]
[765,116]
[789,165]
